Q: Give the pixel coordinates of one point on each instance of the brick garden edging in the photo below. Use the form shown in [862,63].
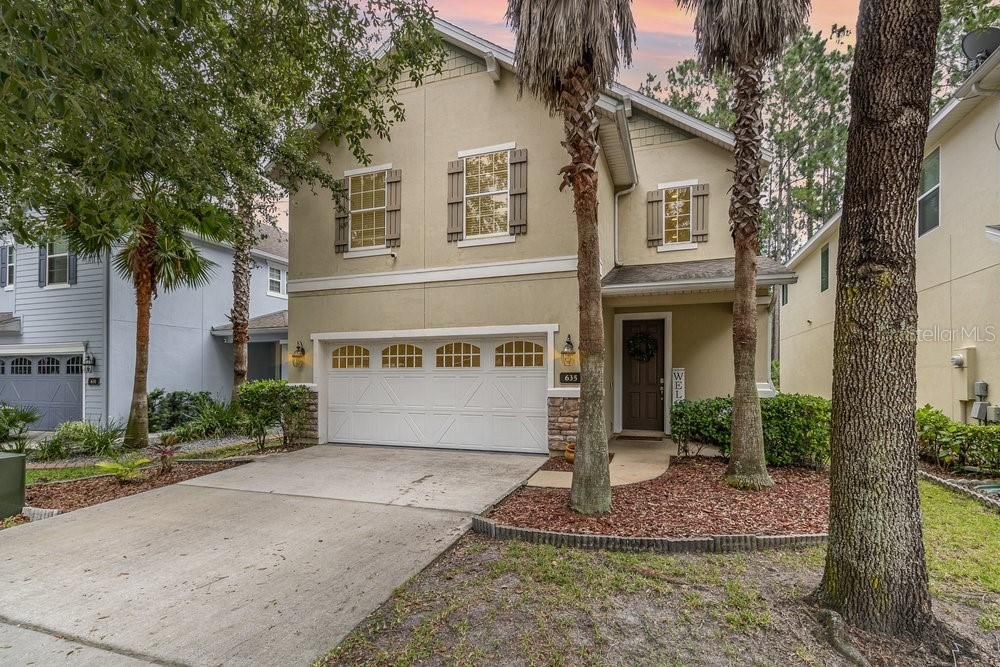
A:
[989,503]
[707,544]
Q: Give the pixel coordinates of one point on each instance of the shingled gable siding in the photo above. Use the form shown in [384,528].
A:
[456,63]
[647,131]
[73,314]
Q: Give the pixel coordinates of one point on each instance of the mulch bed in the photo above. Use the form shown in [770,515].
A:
[956,474]
[690,499]
[75,494]
[560,464]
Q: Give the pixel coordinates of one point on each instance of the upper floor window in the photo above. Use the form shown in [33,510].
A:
[57,263]
[10,258]
[677,215]
[929,199]
[277,281]
[487,194]
[367,198]
[824,268]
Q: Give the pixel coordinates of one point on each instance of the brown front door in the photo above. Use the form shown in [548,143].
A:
[642,379]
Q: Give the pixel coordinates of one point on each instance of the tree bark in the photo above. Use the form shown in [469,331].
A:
[591,489]
[144,282]
[747,469]
[239,316]
[875,573]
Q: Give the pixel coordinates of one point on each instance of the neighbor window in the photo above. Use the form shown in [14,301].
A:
[677,215]
[487,194]
[929,201]
[277,281]
[824,268]
[57,263]
[351,356]
[519,354]
[784,295]
[457,355]
[11,258]
[402,355]
[367,196]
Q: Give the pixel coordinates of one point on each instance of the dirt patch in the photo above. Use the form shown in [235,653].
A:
[73,495]
[688,500]
[511,603]
[957,474]
[560,464]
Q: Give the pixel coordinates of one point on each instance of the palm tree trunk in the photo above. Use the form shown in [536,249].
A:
[239,316]
[144,282]
[747,469]
[591,489]
[875,572]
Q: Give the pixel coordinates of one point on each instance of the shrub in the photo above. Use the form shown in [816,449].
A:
[168,410]
[14,423]
[796,427]
[89,439]
[51,449]
[270,403]
[125,467]
[216,419]
[954,444]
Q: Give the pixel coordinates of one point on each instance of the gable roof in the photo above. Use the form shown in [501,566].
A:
[273,243]
[276,322]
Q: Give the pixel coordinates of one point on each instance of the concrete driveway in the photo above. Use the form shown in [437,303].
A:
[270,563]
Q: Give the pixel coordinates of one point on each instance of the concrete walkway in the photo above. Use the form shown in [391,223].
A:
[271,563]
[634,461]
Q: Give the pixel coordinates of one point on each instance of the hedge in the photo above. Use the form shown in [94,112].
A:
[955,444]
[796,427]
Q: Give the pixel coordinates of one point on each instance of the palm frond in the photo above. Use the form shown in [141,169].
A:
[555,36]
[730,33]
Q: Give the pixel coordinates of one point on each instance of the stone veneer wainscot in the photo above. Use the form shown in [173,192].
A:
[563,416]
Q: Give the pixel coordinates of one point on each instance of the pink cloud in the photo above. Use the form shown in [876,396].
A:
[664,32]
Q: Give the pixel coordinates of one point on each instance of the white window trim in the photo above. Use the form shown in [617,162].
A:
[677,184]
[282,281]
[936,188]
[678,245]
[467,238]
[48,258]
[670,247]
[350,211]
[487,239]
[11,251]
[367,252]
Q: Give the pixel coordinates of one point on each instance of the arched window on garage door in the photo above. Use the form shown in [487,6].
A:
[351,356]
[402,355]
[48,366]
[520,354]
[457,355]
[20,366]
[3,367]
[74,366]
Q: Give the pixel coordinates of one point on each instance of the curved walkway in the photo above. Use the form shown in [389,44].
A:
[634,461]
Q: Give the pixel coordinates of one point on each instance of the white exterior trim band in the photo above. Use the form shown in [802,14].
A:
[469,152]
[50,348]
[368,170]
[435,275]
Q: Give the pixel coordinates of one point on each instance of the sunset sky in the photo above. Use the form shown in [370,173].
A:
[664,32]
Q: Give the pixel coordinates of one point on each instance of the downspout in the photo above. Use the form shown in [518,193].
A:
[621,118]
[107,337]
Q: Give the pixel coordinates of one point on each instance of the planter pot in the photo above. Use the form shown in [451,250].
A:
[570,453]
[11,484]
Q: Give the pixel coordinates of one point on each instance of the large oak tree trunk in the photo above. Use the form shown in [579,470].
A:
[591,489]
[239,316]
[144,282]
[875,574]
[747,469]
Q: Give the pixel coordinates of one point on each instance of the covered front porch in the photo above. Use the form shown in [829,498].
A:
[267,351]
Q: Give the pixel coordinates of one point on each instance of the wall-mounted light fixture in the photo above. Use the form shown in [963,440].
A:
[299,355]
[89,363]
[568,354]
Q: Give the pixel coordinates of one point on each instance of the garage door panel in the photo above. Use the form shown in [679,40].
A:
[404,390]
[57,395]
[513,431]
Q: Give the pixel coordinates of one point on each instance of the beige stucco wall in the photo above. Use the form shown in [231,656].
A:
[958,276]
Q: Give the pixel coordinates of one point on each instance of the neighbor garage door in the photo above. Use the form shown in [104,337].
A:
[487,394]
[52,385]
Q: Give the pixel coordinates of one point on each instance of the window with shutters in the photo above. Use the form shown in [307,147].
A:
[57,263]
[519,354]
[351,356]
[457,355]
[929,201]
[677,215]
[487,181]
[48,366]
[11,252]
[367,198]
[74,366]
[402,355]
[20,366]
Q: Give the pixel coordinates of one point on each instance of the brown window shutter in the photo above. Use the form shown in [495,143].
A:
[699,212]
[342,220]
[519,191]
[456,200]
[393,186]
[654,218]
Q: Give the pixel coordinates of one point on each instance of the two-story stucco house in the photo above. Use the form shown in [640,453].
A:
[434,303]
[958,266]
[67,330]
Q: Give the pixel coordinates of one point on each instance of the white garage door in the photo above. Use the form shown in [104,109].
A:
[487,394]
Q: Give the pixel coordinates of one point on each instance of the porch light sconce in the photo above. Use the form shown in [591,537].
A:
[299,355]
[568,352]
[89,363]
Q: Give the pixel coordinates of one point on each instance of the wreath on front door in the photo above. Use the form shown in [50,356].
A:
[641,346]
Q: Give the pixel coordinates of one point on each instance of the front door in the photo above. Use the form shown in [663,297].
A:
[642,375]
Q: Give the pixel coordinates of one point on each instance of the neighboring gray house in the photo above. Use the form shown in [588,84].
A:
[67,330]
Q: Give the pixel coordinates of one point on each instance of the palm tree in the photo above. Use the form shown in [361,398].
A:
[740,37]
[566,53]
[154,252]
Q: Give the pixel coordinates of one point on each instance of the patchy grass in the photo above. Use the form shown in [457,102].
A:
[248,448]
[491,602]
[43,475]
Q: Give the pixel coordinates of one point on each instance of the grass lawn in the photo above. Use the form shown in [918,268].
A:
[41,475]
[491,602]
